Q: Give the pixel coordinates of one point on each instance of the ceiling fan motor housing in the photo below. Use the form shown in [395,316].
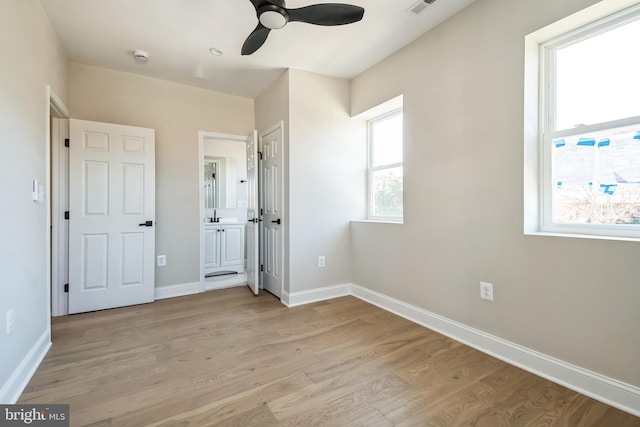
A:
[273,16]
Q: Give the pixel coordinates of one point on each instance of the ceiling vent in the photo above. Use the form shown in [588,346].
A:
[420,6]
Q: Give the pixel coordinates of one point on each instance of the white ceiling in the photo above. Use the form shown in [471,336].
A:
[177,34]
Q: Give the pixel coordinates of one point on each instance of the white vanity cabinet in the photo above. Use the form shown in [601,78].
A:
[223,248]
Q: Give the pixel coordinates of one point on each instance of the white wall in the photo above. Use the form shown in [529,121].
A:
[574,299]
[31,59]
[177,113]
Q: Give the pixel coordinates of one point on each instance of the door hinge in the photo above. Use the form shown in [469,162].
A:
[261,211]
[66,142]
[66,287]
[261,267]
[66,214]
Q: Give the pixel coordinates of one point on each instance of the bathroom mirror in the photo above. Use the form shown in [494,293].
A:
[224,170]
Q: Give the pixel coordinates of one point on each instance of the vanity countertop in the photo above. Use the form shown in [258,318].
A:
[210,224]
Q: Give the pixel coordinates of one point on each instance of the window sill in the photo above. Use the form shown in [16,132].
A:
[378,221]
[582,236]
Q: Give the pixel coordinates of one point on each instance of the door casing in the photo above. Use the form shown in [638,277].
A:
[57,184]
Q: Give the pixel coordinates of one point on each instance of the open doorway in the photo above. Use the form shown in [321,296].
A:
[223,194]
[57,190]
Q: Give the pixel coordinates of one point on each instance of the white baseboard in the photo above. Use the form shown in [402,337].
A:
[610,391]
[319,294]
[223,282]
[15,385]
[178,290]
[183,289]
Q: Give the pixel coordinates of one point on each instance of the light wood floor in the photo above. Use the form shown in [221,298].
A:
[228,358]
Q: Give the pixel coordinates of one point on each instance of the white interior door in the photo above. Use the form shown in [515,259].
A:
[272,185]
[112,214]
[253,269]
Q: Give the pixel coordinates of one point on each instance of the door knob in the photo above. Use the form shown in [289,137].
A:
[146,224]
[277,221]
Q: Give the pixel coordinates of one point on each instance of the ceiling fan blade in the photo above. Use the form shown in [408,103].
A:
[329,14]
[257,4]
[255,40]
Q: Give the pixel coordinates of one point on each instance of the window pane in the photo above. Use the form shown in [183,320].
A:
[386,139]
[597,78]
[387,192]
[596,177]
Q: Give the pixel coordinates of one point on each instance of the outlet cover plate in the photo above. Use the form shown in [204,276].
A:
[486,291]
[162,260]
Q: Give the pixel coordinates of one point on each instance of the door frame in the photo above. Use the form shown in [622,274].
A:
[202,136]
[56,185]
[285,223]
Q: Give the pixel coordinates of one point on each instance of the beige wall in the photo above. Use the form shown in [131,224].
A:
[272,107]
[327,179]
[574,299]
[31,59]
[325,155]
[177,113]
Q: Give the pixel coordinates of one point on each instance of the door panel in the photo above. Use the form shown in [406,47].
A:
[96,188]
[211,248]
[111,196]
[132,250]
[272,215]
[233,244]
[133,183]
[95,255]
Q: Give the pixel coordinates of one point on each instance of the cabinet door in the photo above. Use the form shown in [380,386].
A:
[211,247]
[232,245]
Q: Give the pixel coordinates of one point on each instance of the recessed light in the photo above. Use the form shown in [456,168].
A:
[215,51]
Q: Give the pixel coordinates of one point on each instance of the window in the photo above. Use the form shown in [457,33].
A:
[385,170]
[590,129]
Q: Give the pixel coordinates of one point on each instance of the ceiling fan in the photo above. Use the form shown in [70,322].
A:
[273,15]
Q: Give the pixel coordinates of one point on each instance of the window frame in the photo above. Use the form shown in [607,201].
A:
[547,126]
[372,169]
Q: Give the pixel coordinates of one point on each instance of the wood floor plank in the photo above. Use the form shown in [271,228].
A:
[227,358]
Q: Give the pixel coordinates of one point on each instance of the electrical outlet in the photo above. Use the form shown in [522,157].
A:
[9,321]
[321,261]
[486,291]
[162,260]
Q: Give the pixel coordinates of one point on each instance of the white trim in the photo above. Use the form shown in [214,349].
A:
[17,382]
[182,289]
[608,390]
[223,282]
[372,169]
[55,173]
[539,117]
[60,226]
[57,105]
[177,290]
[314,295]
